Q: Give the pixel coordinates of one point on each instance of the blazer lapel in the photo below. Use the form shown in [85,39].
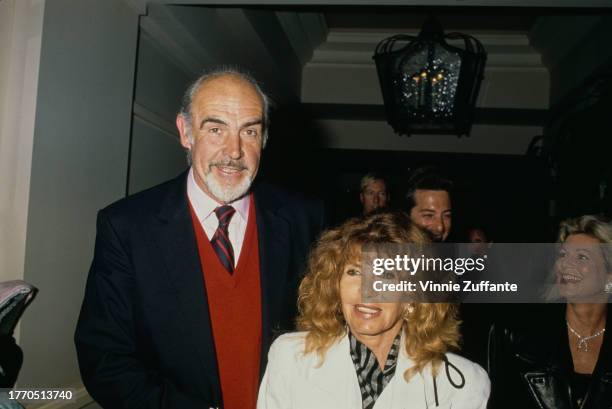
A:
[395,394]
[337,377]
[273,236]
[173,231]
[549,385]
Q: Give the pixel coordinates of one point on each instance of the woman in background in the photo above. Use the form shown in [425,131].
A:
[353,354]
[561,357]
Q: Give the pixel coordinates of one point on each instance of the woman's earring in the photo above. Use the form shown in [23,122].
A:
[608,287]
[339,314]
[410,309]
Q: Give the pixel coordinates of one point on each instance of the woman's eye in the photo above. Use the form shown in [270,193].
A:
[387,275]
[353,272]
[250,132]
[214,130]
[583,257]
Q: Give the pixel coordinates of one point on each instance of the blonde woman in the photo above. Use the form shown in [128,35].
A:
[560,355]
[352,354]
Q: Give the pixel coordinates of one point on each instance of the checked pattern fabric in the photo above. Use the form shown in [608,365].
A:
[220,241]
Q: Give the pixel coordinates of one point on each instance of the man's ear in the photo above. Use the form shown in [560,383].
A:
[182,128]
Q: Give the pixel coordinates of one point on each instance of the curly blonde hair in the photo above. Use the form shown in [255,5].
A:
[430,330]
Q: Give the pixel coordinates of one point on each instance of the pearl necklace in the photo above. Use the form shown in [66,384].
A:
[582,340]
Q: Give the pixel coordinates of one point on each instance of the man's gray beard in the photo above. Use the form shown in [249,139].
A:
[227,194]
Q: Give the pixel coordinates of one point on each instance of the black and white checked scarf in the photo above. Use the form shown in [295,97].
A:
[372,380]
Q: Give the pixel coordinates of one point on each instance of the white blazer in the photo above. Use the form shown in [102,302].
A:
[293,381]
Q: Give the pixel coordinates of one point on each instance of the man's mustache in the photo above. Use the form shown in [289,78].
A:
[230,163]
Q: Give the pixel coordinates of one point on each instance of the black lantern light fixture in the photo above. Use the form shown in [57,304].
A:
[428,85]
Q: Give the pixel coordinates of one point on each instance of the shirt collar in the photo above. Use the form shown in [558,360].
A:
[204,205]
[358,350]
[372,379]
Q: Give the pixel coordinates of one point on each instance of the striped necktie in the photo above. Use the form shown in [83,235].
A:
[220,241]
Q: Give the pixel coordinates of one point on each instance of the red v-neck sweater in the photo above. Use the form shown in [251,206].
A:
[234,301]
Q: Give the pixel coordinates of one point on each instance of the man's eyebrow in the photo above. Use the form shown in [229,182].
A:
[251,123]
[213,120]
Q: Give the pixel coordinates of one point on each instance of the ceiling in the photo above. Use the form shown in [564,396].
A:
[402,18]
[477,19]
[321,56]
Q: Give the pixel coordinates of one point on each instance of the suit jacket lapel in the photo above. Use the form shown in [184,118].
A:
[174,233]
[337,376]
[399,389]
[274,250]
[548,384]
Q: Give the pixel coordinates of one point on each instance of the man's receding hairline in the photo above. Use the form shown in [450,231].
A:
[236,77]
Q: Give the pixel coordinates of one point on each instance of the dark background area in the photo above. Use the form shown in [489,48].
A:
[516,198]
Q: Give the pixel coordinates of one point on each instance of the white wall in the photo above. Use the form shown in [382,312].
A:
[156,154]
[21,25]
[79,164]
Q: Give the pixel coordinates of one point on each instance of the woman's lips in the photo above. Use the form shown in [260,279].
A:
[367,311]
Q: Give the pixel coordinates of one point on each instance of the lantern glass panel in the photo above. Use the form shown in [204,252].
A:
[427,82]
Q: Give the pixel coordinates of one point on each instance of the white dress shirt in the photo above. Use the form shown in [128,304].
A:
[204,207]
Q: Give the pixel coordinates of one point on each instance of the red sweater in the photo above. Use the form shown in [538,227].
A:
[234,301]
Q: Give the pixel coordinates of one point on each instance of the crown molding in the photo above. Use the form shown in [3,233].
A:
[356,48]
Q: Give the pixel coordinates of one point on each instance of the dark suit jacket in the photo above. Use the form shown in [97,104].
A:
[144,334]
[11,358]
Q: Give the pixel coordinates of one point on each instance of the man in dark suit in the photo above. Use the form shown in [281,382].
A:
[191,278]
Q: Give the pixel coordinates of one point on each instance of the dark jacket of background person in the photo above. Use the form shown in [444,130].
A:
[11,359]
[530,364]
[144,336]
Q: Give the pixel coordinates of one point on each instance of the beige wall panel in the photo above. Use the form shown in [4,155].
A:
[358,84]
[485,139]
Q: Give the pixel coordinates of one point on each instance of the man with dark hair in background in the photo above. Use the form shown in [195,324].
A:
[429,202]
[430,206]
[191,278]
